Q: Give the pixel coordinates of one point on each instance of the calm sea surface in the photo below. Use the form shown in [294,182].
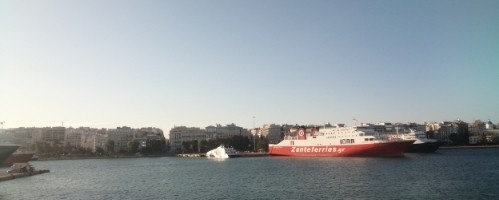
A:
[448,174]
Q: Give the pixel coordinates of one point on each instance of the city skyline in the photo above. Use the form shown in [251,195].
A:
[198,63]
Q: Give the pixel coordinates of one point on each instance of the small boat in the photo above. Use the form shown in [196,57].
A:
[222,152]
[231,152]
[422,143]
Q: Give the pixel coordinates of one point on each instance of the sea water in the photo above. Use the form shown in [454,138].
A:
[447,174]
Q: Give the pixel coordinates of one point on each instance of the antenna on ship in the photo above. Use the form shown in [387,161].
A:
[355,120]
[4,122]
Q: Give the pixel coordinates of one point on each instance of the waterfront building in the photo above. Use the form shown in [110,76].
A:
[379,128]
[441,131]
[489,125]
[227,131]
[120,136]
[445,130]
[492,135]
[21,136]
[73,136]
[274,133]
[384,127]
[149,133]
[180,134]
[94,139]
[483,132]
[54,135]
[476,128]
[143,134]
[79,137]
[84,137]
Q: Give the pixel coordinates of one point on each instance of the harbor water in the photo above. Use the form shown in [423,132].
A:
[448,174]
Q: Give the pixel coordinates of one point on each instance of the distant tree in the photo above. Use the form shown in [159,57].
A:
[483,139]
[187,147]
[155,146]
[122,151]
[454,138]
[263,144]
[133,146]
[458,139]
[67,148]
[109,146]
[99,151]
[32,147]
[495,140]
[239,143]
[204,146]
[40,148]
[167,146]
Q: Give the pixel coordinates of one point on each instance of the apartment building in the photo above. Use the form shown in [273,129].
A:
[227,131]
[120,136]
[180,134]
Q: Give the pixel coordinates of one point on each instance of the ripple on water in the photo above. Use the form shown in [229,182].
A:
[449,174]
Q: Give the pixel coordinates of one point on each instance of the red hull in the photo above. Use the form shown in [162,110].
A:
[18,158]
[387,149]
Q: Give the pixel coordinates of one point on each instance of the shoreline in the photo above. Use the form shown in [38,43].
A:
[5,176]
[100,157]
[469,147]
[200,155]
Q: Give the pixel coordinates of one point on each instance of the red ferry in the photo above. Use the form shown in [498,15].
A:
[337,141]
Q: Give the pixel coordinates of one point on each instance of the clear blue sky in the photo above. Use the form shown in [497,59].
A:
[197,63]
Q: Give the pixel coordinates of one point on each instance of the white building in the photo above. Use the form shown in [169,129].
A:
[274,133]
[50,134]
[120,136]
[227,131]
[150,133]
[180,134]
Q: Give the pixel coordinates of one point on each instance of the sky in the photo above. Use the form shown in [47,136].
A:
[195,63]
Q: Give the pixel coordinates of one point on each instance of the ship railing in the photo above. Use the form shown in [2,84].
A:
[290,137]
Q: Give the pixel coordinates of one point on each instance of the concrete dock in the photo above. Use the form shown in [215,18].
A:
[4,176]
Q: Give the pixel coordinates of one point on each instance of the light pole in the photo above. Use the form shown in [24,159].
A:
[254,135]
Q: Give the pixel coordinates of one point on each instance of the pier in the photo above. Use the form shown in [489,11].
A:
[191,155]
[240,154]
[5,176]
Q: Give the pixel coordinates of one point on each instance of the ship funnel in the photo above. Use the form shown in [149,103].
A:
[302,135]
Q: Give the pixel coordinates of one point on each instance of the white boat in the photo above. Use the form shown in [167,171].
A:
[422,143]
[222,152]
[231,152]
